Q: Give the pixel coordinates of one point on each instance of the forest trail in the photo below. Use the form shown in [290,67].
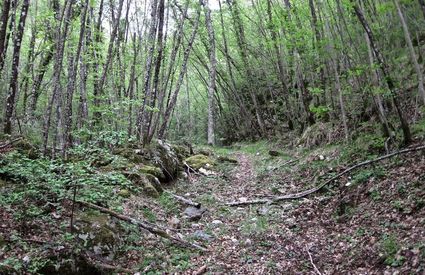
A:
[344,230]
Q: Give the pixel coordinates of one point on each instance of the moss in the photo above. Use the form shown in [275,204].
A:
[155,182]
[154,171]
[227,159]
[182,152]
[132,155]
[98,227]
[124,193]
[150,190]
[199,161]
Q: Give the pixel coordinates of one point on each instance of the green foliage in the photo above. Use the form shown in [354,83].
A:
[389,247]
[320,111]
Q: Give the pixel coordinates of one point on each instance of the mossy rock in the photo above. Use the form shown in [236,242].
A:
[205,152]
[124,193]
[154,171]
[199,161]
[149,183]
[181,151]
[150,190]
[97,230]
[167,159]
[133,155]
[227,159]
[155,182]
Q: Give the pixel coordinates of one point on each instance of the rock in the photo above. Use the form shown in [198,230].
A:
[24,147]
[206,172]
[154,171]
[205,152]
[216,223]
[98,231]
[124,193]
[150,190]
[149,184]
[155,182]
[131,154]
[174,222]
[227,159]
[199,161]
[274,153]
[181,151]
[168,161]
[193,213]
[201,235]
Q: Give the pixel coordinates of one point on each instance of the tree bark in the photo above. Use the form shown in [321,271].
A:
[412,52]
[3,30]
[13,85]
[385,70]
[212,73]
[183,69]
[422,4]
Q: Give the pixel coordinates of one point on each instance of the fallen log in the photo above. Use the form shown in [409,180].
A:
[152,228]
[319,187]
[184,200]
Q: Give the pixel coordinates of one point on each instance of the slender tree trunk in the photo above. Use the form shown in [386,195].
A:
[72,77]
[57,70]
[183,69]
[3,30]
[412,52]
[13,85]
[385,70]
[212,73]
[422,4]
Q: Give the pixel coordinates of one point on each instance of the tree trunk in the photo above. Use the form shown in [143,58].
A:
[13,85]
[212,73]
[183,69]
[422,4]
[385,70]
[3,30]
[412,52]
[72,77]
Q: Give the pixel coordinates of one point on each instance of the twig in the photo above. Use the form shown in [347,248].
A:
[152,228]
[317,188]
[184,200]
[312,263]
[104,266]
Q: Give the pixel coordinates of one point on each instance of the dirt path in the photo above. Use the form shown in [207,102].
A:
[334,233]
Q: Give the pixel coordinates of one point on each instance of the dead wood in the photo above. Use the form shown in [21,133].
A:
[184,200]
[152,228]
[317,188]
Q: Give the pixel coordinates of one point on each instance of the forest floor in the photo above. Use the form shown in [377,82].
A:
[370,221]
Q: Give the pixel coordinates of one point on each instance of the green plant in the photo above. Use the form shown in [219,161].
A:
[389,247]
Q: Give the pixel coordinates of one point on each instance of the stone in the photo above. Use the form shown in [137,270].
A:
[193,213]
[216,223]
[201,235]
[227,159]
[175,223]
[167,159]
[154,171]
[149,184]
[124,193]
[274,153]
[199,161]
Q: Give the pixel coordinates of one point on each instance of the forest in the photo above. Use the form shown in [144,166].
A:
[212,137]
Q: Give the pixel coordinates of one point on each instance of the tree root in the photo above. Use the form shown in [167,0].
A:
[317,188]
[152,228]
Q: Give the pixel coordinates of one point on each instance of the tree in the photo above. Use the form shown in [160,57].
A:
[13,84]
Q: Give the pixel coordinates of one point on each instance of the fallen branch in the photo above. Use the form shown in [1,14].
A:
[312,263]
[7,144]
[152,228]
[317,188]
[107,267]
[184,200]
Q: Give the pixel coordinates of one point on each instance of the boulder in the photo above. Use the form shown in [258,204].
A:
[199,161]
[149,183]
[154,171]
[24,147]
[194,213]
[133,155]
[167,159]
[98,231]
